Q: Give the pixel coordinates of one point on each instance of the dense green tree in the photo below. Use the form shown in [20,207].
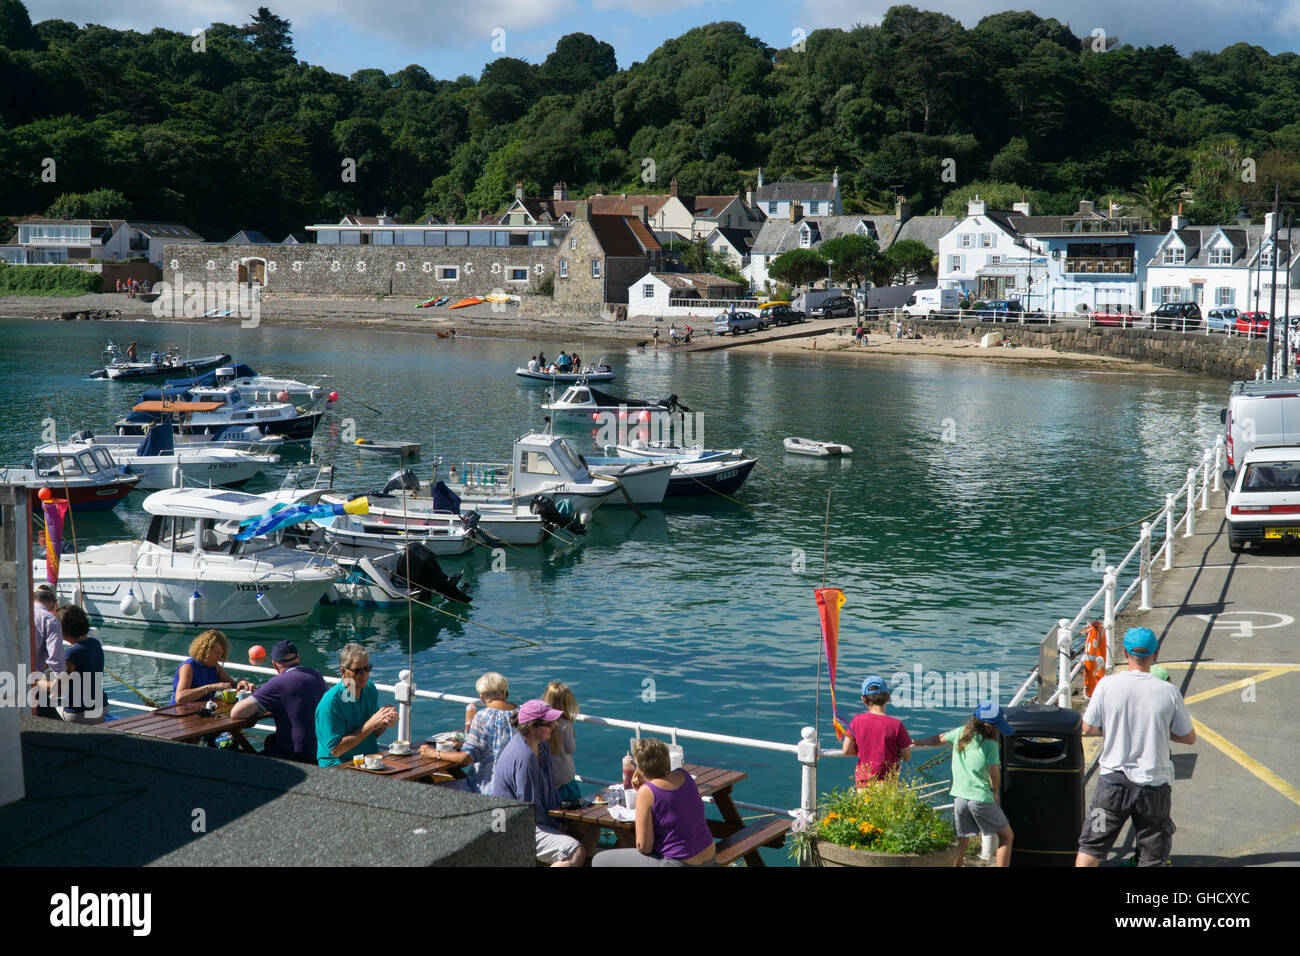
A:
[16,30]
[579,62]
[96,204]
[798,267]
[269,33]
[851,256]
[1157,195]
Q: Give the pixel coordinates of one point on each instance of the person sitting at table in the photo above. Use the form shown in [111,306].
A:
[487,735]
[290,697]
[84,702]
[524,773]
[670,826]
[201,675]
[343,729]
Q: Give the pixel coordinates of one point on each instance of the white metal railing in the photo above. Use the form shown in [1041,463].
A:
[1059,640]
[1090,319]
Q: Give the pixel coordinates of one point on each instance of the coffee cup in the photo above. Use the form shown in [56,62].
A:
[374,761]
[675,757]
[399,747]
[229,695]
[243,694]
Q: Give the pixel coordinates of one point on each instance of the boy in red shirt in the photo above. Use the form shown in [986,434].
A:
[880,741]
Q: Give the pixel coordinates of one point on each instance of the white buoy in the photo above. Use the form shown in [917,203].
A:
[196,607]
[158,598]
[584,517]
[264,601]
[129,603]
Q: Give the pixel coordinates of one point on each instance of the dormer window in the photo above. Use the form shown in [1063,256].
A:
[1221,256]
[1266,260]
[805,238]
[1174,256]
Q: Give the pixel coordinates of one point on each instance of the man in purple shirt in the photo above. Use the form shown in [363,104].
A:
[49,653]
[291,697]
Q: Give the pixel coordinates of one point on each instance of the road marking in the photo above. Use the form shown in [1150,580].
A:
[1234,685]
[1218,665]
[1254,567]
[1252,765]
[1269,839]
[1245,627]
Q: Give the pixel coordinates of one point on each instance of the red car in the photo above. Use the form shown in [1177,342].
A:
[1251,323]
[1123,320]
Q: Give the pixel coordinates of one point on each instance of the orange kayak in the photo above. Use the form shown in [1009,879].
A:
[472,300]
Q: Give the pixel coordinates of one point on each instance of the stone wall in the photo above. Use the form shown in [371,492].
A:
[325,270]
[579,285]
[1217,356]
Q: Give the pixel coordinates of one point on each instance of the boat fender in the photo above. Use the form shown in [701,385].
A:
[130,604]
[196,607]
[267,605]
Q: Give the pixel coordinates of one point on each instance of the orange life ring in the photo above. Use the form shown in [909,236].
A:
[1094,657]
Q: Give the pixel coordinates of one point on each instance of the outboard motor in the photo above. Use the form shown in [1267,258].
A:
[673,405]
[403,480]
[417,567]
[84,435]
[545,507]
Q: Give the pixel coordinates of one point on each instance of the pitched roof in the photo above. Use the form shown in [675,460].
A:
[249,237]
[622,205]
[707,206]
[1246,245]
[740,239]
[164,230]
[927,230]
[623,236]
[776,236]
[540,209]
[787,192]
[694,280]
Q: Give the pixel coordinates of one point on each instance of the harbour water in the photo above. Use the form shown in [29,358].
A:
[964,524]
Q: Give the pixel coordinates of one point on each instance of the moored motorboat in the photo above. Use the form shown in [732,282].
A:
[82,473]
[215,408]
[816,449]
[259,388]
[542,463]
[695,476]
[405,450]
[600,372]
[120,367]
[160,463]
[583,401]
[668,449]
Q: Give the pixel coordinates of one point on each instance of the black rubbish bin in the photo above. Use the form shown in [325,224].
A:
[1042,784]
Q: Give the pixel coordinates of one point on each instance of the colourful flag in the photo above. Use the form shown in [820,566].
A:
[279,516]
[56,509]
[829,602]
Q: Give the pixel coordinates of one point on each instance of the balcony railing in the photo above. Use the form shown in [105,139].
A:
[1120,266]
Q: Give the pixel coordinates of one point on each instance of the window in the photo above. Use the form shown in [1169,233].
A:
[457,237]
[1174,256]
[595,268]
[435,237]
[412,237]
[1171,293]
[814,208]
[480,237]
[537,237]
[994,260]
[327,237]
[967,240]
[350,237]
[1224,295]
[1266,260]
[538,463]
[564,268]
[448,273]
[1221,257]
[954,263]
[573,242]
[648,291]
[500,238]
[986,240]
[382,238]
[805,238]
[519,275]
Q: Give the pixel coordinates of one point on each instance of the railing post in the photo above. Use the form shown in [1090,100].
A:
[403,690]
[808,749]
[1205,480]
[1144,572]
[1108,616]
[1170,504]
[1063,640]
[1218,460]
[1191,502]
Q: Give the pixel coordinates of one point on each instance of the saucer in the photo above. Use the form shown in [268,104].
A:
[399,751]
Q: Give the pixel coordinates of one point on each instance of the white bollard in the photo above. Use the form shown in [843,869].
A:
[403,690]
[1218,460]
[1144,574]
[1108,616]
[1205,480]
[1169,531]
[808,757]
[1063,639]
[988,845]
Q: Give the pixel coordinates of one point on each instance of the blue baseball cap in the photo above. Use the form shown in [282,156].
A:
[991,713]
[1140,641]
[874,685]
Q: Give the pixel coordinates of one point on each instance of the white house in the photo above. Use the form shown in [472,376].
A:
[797,231]
[57,241]
[983,238]
[681,294]
[817,199]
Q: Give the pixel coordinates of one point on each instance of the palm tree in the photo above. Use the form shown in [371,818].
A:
[1158,194]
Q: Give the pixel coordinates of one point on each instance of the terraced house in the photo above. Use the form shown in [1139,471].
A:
[603,254]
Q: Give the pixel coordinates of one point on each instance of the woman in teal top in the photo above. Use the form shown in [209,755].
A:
[976,777]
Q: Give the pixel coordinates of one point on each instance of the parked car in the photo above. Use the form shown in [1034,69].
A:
[1122,320]
[1264,502]
[1177,315]
[1221,320]
[841,305]
[934,303]
[737,322]
[781,315]
[1251,323]
[1000,310]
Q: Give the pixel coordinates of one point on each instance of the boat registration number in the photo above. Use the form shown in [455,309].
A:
[728,474]
[1277,533]
[251,587]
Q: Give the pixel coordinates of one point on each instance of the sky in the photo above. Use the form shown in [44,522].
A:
[453,38]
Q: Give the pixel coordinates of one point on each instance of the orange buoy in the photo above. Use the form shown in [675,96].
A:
[1094,657]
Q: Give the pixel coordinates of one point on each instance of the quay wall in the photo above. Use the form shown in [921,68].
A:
[1215,356]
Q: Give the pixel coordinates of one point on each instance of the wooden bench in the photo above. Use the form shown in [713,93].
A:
[747,841]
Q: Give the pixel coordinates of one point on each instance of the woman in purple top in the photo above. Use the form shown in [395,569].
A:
[670,825]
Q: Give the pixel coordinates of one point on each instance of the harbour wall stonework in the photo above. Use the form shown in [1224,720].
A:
[1216,356]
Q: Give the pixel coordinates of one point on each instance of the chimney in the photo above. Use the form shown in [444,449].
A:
[796,211]
[835,179]
[600,190]
[1085,207]
[560,192]
[975,207]
[901,212]
[580,213]
[1268,224]
[760,177]
[749,198]
[672,187]
[641,212]
[1022,208]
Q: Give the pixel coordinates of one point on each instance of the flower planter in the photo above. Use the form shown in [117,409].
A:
[832,854]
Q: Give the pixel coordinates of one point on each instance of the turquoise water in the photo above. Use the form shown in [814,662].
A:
[955,555]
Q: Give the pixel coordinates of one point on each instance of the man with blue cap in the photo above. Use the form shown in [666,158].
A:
[879,741]
[1136,714]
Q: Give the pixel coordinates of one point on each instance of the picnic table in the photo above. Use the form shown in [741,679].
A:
[186,723]
[412,766]
[712,782]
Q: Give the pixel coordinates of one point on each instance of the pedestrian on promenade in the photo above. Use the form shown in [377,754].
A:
[880,741]
[49,654]
[349,719]
[84,702]
[1136,714]
[290,697]
[976,778]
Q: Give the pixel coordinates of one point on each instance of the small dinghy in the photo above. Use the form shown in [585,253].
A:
[406,450]
[816,449]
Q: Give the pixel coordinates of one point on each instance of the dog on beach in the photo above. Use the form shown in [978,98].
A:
[641,345]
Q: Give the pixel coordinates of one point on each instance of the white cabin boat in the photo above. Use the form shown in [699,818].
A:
[161,463]
[816,449]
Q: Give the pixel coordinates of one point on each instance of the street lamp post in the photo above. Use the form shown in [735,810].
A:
[829,263]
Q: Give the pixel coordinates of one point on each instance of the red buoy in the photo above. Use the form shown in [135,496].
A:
[334,396]
[283,396]
[256,654]
[45,494]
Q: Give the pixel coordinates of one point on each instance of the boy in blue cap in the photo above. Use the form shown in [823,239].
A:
[1136,714]
[880,741]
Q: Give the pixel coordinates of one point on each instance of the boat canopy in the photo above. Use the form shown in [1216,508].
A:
[157,441]
[207,503]
[177,408]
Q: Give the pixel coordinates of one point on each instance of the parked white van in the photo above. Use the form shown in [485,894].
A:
[1260,413]
[935,302]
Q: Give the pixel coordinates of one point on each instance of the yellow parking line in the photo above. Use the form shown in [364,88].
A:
[1244,666]
[1264,842]
[1235,685]
[1252,765]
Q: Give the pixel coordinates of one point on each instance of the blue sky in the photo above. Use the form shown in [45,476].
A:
[451,38]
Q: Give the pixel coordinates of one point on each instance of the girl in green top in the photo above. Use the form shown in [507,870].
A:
[976,777]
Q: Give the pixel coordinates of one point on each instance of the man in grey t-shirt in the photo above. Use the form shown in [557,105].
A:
[1137,714]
